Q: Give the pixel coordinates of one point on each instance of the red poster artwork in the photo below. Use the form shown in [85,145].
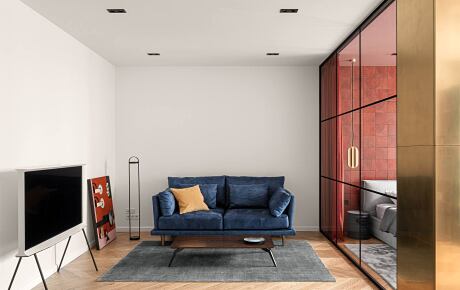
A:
[102,210]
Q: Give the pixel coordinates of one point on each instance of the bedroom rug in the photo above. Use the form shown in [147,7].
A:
[380,257]
[148,261]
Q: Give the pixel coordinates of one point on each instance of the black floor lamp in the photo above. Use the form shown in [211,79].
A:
[134,161]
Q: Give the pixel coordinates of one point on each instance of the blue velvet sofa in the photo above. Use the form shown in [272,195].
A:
[234,213]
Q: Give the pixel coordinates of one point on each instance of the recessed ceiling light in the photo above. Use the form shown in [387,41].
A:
[153,53]
[289,10]
[116,10]
[273,53]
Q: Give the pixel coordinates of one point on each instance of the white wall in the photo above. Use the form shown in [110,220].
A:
[193,121]
[57,106]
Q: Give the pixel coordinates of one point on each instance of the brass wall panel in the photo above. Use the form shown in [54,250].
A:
[428,144]
[447,72]
[447,217]
[416,233]
[415,68]
[447,144]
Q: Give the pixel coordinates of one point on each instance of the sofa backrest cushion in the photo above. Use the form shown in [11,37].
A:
[273,182]
[173,182]
[248,196]
[209,192]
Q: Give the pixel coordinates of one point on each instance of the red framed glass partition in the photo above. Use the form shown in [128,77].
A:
[358,137]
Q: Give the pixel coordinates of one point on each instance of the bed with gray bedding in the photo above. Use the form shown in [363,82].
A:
[382,209]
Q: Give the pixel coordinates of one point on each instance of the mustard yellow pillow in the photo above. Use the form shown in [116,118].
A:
[190,199]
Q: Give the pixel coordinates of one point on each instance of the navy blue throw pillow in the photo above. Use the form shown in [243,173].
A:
[209,192]
[279,202]
[248,195]
[167,202]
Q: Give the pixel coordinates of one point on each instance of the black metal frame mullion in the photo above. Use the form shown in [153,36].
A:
[363,107]
[359,187]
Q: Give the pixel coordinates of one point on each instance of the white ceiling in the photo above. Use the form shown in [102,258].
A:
[208,32]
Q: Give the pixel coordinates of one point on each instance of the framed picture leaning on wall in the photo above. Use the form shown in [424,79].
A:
[100,195]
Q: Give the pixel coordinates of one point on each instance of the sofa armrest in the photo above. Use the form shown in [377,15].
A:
[156,210]
[290,211]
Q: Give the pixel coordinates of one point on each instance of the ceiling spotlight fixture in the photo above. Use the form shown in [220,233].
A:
[116,10]
[153,53]
[273,53]
[289,10]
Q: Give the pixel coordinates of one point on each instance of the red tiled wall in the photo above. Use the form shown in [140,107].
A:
[378,123]
[378,146]
[377,130]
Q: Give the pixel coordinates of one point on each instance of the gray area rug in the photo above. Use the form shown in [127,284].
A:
[297,261]
[380,257]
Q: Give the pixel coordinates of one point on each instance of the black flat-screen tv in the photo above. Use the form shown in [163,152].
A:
[50,206]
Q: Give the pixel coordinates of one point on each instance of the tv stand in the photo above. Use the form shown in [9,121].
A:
[60,264]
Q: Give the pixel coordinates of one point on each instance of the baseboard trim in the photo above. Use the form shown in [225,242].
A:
[126,229]
[307,228]
[149,228]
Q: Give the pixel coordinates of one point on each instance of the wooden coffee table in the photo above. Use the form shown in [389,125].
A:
[221,242]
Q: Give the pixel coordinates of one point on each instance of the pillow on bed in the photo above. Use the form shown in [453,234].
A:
[381,208]
[395,201]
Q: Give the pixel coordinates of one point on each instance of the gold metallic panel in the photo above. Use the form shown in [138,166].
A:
[416,233]
[447,217]
[415,69]
[447,133]
[447,72]
[428,144]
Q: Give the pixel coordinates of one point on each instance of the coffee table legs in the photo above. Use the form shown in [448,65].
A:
[174,255]
[271,255]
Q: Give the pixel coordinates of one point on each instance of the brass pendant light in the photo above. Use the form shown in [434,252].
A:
[352,152]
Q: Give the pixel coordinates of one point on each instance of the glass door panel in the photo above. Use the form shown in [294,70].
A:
[329,88]
[348,143]
[328,208]
[348,77]
[378,146]
[348,223]
[378,57]
[329,148]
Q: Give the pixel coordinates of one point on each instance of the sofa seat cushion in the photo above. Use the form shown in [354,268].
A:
[198,220]
[253,219]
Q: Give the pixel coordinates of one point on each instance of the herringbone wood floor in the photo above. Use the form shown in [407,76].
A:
[80,273]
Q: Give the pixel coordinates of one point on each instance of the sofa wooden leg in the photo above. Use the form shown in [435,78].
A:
[282,241]
[162,240]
